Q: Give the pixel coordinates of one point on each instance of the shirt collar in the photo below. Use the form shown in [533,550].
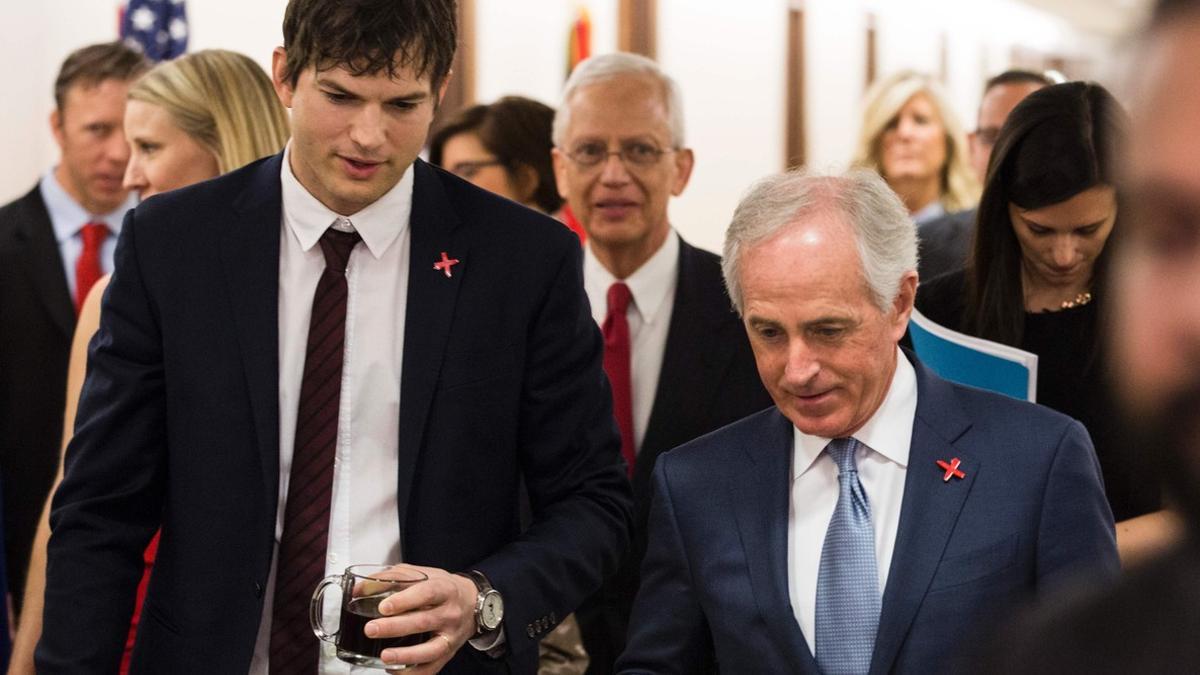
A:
[650,285]
[888,432]
[68,217]
[379,224]
[930,212]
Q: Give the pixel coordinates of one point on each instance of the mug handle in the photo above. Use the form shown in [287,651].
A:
[317,606]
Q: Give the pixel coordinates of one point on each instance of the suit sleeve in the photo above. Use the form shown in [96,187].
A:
[569,452]
[1076,537]
[668,632]
[107,507]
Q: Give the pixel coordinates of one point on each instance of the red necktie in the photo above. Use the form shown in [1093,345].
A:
[301,565]
[616,364]
[87,266]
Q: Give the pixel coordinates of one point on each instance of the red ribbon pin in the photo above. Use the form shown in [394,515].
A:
[951,469]
[445,264]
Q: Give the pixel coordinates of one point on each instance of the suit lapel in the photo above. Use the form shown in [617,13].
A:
[249,252]
[689,362]
[928,513]
[760,496]
[431,300]
[43,263]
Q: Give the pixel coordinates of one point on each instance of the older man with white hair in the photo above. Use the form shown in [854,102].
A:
[674,349]
[878,517]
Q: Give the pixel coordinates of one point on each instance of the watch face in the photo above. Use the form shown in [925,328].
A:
[492,611]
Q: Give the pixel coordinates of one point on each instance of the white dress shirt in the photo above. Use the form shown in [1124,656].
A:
[364,522]
[882,461]
[653,288]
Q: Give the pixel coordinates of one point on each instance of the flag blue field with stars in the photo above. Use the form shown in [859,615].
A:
[157,27]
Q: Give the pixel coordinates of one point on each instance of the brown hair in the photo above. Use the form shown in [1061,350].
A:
[91,65]
[517,131]
[371,36]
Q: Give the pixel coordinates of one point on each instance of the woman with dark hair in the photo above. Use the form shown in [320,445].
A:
[1036,276]
[503,147]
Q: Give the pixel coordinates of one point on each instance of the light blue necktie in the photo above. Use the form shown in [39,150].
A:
[848,600]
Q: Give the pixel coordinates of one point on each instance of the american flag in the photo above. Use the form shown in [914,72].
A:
[157,27]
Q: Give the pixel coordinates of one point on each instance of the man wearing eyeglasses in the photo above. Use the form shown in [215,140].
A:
[675,352]
[945,240]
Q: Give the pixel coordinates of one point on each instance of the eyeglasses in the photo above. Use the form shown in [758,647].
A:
[469,169]
[632,153]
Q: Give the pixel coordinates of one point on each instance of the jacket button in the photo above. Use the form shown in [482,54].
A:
[258,590]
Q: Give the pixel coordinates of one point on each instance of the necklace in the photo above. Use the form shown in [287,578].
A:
[1078,301]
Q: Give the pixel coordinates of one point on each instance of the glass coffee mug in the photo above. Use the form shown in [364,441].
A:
[363,588]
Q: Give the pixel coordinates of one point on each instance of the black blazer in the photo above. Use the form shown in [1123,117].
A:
[179,422]
[37,318]
[708,379]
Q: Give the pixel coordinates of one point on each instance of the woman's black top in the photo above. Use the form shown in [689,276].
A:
[1070,380]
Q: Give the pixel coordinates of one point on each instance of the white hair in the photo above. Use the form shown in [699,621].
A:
[609,66]
[884,232]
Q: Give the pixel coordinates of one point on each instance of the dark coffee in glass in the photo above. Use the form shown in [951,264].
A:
[363,588]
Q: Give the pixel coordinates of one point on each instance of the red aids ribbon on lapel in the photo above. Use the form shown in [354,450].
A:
[951,469]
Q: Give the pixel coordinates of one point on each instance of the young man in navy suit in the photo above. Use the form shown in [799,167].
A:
[337,355]
[878,517]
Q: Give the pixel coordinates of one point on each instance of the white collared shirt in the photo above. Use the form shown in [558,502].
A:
[364,523]
[653,288]
[882,461]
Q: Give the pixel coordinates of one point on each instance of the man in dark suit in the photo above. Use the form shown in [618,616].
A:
[878,517]
[674,349]
[1148,623]
[946,241]
[67,221]
[338,355]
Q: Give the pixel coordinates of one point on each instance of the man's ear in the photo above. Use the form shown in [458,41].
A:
[560,171]
[284,88]
[441,94]
[902,306]
[56,128]
[684,161]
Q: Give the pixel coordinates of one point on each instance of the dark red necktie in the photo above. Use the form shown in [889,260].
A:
[617,365]
[87,266]
[294,648]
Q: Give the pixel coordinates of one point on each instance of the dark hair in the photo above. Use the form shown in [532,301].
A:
[517,131]
[91,65]
[1058,142]
[371,36]
[1017,76]
[1168,10]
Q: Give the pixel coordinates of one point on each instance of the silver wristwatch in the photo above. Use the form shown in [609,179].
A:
[489,604]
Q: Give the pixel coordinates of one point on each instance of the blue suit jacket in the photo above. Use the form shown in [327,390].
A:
[1029,515]
[179,427]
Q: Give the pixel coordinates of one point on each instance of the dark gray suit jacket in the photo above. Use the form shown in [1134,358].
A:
[945,243]
[37,319]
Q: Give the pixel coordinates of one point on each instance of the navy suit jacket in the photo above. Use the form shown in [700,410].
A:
[37,319]
[1029,514]
[179,427]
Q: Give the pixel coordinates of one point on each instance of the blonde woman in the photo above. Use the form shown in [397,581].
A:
[912,138]
[186,120]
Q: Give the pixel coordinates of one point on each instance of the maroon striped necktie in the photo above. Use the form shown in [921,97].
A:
[294,648]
